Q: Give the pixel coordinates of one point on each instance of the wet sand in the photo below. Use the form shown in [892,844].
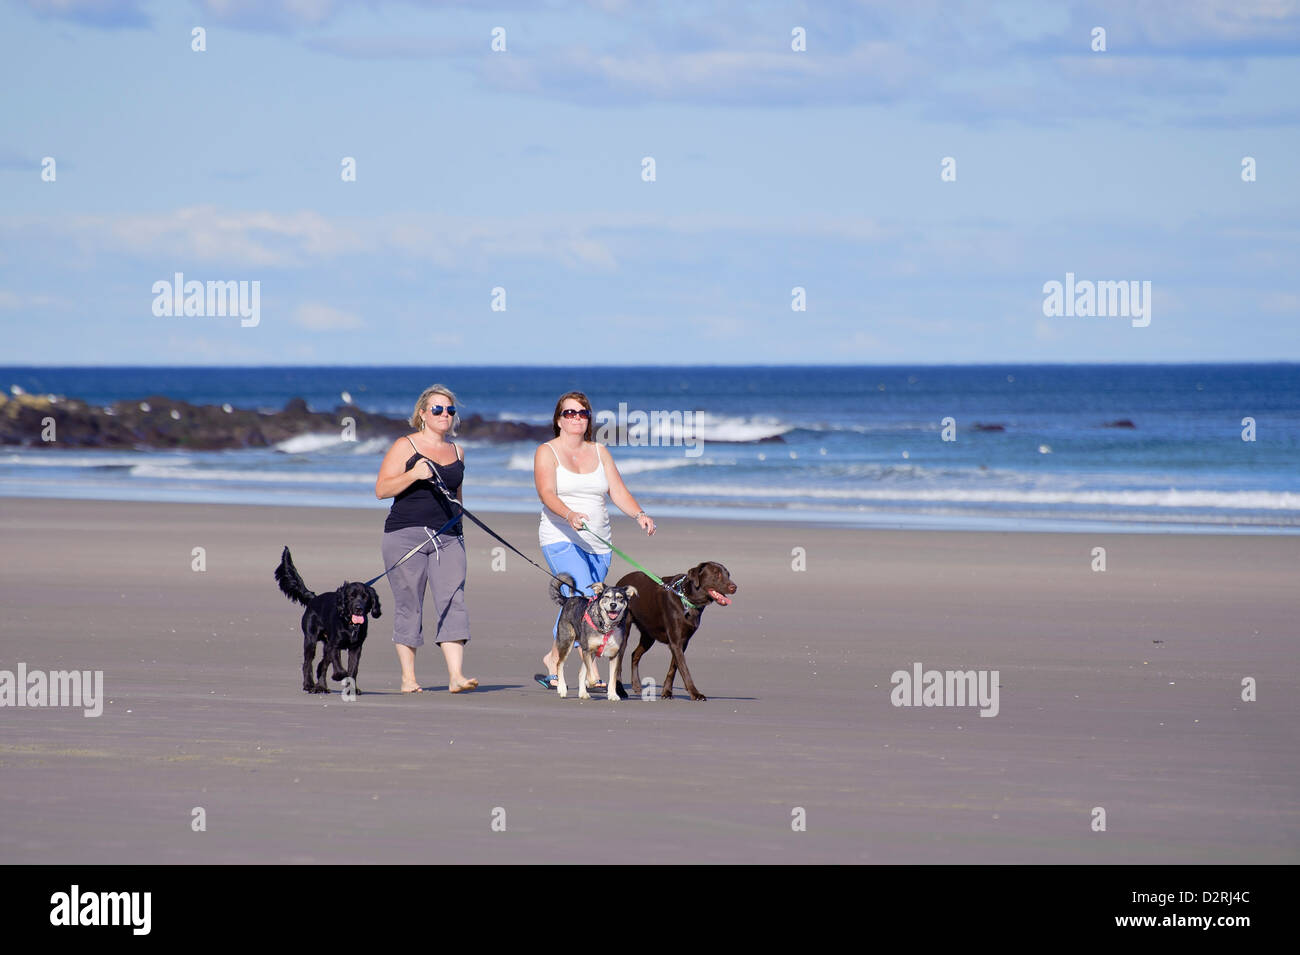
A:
[1119,689]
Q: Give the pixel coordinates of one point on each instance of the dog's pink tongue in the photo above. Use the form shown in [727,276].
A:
[719,598]
[357,618]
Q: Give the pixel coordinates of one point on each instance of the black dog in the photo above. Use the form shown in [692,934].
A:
[659,614]
[337,619]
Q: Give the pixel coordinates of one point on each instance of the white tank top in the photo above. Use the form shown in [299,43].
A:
[584,493]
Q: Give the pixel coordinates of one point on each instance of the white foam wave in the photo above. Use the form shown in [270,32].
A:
[889,427]
[306,443]
[676,427]
[1170,498]
[642,465]
[163,472]
[106,459]
[530,417]
[524,462]
[710,427]
[330,441]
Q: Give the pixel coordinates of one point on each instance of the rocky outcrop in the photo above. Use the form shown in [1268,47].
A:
[161,422]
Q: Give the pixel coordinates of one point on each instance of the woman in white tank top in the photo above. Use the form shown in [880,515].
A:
[573,474]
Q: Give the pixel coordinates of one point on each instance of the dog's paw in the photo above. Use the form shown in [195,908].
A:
[667,694]
[622,693]
[699,696]
[583,694]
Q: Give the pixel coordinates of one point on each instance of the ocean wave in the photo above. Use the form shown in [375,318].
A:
[267,476]
[676,427]
[528,418]
[643,465]
[524,462]
[883,427]
[330,440]
[1171,498]
[103,459]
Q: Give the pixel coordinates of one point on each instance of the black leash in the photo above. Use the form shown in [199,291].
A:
[442,489]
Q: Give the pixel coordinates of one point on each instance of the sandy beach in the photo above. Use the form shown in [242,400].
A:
[1119,689]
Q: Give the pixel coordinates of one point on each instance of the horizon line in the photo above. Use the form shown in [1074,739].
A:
[604,366]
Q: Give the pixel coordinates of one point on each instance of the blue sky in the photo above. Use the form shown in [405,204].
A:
[522,170]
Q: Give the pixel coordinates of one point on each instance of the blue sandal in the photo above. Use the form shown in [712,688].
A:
[551,682]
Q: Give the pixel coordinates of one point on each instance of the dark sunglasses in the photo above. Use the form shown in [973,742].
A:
[439,409]
[575,413]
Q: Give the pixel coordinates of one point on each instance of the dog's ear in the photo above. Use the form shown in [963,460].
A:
[374,602]
[598,588]
[693,577]
[630,591]
[341,603]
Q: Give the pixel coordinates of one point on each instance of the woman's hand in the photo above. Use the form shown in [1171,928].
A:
[647,525]
[576,519]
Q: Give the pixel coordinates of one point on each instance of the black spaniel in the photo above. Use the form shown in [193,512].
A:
[338,619]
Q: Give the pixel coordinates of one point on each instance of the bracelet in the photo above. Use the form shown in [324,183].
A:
[639,514]
[566,515]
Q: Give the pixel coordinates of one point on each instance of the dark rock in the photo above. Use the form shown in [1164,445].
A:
[1121,423]
[978,426]
[161,422]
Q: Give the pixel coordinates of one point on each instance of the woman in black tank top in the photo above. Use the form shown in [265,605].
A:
[416,471]
[422,504]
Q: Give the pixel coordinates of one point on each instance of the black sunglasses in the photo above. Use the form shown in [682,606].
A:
[439,409]
[575,413]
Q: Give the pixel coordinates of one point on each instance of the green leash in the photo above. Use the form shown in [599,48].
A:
[658,580]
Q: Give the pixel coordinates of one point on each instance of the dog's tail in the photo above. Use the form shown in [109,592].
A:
[556,594]
[291,584]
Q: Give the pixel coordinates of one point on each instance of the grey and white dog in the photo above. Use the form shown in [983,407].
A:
[598,625]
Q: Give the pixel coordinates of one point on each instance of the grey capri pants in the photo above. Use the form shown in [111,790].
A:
[443,568]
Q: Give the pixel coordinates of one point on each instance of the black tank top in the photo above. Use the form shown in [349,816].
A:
[422,504]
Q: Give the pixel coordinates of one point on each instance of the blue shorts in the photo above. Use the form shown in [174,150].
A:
[585,569]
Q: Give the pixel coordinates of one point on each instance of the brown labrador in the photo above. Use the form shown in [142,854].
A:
[659,614]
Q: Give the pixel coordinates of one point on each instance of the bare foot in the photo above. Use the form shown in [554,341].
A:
[412,688]
[468,683]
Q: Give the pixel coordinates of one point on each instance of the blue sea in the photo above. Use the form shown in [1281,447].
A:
[858,445]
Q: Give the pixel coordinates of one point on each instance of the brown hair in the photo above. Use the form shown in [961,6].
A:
[417,417]
[581,399]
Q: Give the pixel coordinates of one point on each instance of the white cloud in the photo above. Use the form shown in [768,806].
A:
[16,300]
[324,318]
[874,71]
[205,235]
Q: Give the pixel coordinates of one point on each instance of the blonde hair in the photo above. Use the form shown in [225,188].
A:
[417,416]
